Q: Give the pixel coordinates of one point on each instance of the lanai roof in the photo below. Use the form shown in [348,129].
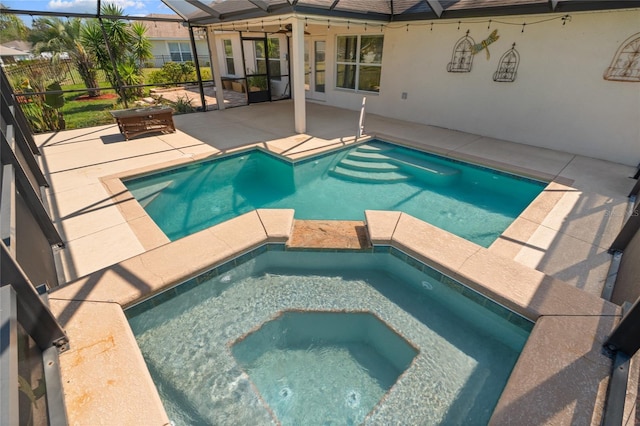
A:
[202,12]
[219,11]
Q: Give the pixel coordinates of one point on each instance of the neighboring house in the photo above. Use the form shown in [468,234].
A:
[170,42]
[14,51]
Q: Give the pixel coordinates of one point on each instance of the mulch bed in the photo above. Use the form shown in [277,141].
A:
[96,98]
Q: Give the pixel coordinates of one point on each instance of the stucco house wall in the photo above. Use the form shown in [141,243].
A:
[160,34]
[559,99]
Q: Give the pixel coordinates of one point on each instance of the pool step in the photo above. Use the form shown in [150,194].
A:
[373,148]
[367,156]
[146,196]
[372,166]
[378,164]
[369,176]
[423,165]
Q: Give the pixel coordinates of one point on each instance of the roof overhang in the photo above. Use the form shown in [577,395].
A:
[204,12]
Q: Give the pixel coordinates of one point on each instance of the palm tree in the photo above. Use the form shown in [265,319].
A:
[12,28]
[140,44]
[92,39]
[62,36]
[119,41]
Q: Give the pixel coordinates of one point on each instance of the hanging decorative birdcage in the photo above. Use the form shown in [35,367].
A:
[626,62]
[508,66]
[462,57]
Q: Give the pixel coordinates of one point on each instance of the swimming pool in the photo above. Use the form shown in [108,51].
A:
[461,347]
[470,201]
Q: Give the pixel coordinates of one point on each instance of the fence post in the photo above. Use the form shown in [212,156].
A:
[73,77]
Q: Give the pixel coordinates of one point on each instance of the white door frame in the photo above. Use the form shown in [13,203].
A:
[311,72]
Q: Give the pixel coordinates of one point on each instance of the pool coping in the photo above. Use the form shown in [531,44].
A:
[560,377]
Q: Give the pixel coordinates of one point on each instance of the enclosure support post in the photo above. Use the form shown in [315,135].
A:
[196,62]
[297,57]
[215,67]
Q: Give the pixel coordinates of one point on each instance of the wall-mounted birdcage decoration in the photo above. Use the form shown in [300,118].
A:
[508,66]
[626,62]
[462,57]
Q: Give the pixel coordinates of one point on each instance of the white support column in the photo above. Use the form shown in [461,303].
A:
[297,61]
[215,68]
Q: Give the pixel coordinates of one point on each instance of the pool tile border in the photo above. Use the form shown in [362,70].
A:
[471,294]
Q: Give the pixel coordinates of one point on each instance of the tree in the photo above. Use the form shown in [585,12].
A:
[12,28]
[140,44]
[125,43]
[63,36]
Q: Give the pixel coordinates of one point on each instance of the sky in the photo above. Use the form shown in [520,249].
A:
[131,7]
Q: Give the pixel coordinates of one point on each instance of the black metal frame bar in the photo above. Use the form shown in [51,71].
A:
[37,320]
[196,62]
[614,407]
[9,414]
[30,195]
[11,108]
[13,311]
[624,337]
[629,229]
[16,135]
[55,392]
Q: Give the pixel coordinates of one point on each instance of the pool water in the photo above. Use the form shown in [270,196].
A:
[206,343]
[334,366]
[470,201]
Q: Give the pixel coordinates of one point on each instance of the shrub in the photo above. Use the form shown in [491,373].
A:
[174,72]
[205,73]
[183,105]
[157,77]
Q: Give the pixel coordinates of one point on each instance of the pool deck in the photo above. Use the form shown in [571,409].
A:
[550,264]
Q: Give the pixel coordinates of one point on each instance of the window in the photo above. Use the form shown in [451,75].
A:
[359,62]
[261,61]
[274,58]
[180,52]
[228,55]
[273,46]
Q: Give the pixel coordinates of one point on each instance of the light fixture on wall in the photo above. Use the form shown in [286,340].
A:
[288,30]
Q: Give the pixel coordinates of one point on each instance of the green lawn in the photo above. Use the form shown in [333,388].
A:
[88,113]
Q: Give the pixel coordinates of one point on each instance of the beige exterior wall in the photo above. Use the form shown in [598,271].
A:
[559,99]
[161,47]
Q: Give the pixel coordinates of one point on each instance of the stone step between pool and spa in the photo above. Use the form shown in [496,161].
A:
[329,235]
